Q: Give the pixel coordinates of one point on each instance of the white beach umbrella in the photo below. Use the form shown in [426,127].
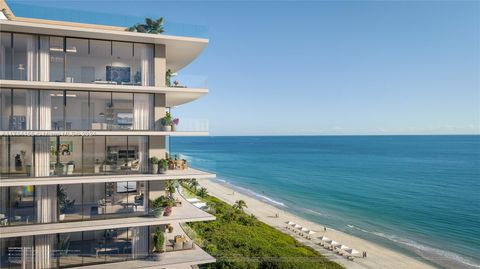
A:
[344,247]
[327,240]
[335,244]
[297,227]
[290,223]
[322,237]
[311,232]
[353,252]
[305,229]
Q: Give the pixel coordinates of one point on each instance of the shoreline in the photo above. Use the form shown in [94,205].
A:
[377,256]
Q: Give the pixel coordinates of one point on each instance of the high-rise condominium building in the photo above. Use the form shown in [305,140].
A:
[84,108]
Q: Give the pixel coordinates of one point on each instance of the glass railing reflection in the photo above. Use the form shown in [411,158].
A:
[188,81]
[82,16]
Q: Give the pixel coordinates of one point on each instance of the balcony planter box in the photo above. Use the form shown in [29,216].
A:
[158,256]
[61,170]
[69,169]
[158,212]
[97,168]
[166,128]
[174,128]
[154,168]
[162,171]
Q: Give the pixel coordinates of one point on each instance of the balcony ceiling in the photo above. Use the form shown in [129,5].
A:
[181,51]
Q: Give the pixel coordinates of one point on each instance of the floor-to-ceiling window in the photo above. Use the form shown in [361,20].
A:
[4,159]
[57,59]
[57,110]
[17,253]
[74,110]
[17,205]
[25,58]
[100,62]
[77,115]
[122,59]
[93,247]
[6,56]
[5,108]
[94,154]
[74,155]
[75,60]
[101,110]
[122,111]
[74,249]
[20,156]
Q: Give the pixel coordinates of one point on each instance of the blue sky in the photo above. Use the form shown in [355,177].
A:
[318,67]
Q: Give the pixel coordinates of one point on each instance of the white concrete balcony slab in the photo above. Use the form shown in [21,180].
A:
[169,175]
[175,259]
[101,133]
[184,213]
[175,96]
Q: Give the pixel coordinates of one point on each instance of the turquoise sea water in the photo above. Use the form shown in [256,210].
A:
[416,194]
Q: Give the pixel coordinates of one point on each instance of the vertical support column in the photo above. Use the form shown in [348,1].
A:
[45,203]
[160,65]
[157,143]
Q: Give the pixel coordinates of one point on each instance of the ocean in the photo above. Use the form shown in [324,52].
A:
[415,194]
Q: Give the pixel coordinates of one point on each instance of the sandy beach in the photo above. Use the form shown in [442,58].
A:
[377,256]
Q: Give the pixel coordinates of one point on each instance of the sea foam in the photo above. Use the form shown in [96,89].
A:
[427,252]
[252,193]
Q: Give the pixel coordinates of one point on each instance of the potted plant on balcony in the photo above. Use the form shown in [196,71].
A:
[158,206]
[162,206]
[167,212]
[169,203]
[153,165]
[163,166]
[70,167]
[170,188]
[60,169]
[168,78]
[159,241]
[175,122]
[166,122]
[64,204]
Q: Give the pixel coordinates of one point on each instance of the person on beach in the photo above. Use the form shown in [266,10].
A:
[324,228]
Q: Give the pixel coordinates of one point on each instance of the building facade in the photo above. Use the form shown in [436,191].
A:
[81,109]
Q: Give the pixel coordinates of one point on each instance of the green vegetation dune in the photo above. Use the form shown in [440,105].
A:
[238,240]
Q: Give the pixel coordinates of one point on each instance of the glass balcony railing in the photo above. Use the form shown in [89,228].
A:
[191,125]
[188,81]
[75,202]
[121,20]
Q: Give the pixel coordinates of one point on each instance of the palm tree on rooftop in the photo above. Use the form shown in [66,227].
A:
[239,205]
[150,26]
